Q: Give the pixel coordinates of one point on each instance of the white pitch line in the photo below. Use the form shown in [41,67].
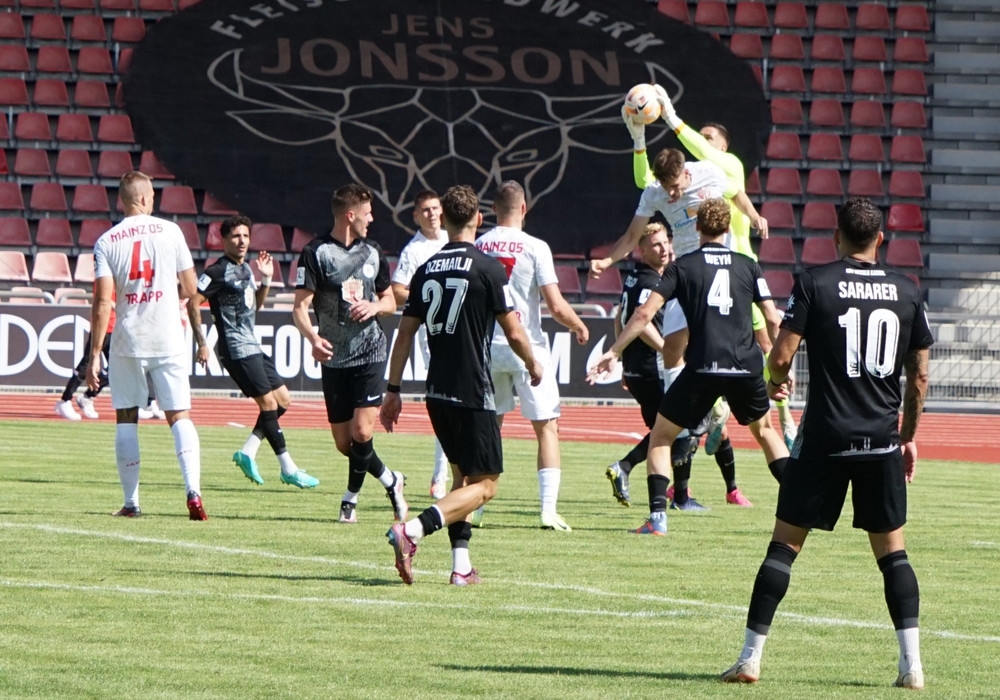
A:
[979,543]
[231,424]
[597,592]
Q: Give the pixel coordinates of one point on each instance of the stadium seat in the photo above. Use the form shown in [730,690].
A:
[14,232]
[10,196]
[818,216]
[906,81]
[779,283]
[907,149]
[904,252]
[866,148]
[95,60]
[871,17]
[88,29]
[865,183]
[32,295]
[47,27]
[54,233]
[213,240]
[826,113]
[783,146]
[111,165]
[50,93]
[117,5]
[83,271]
[747,46]
[115,128]
[4,168]
[828,47]
[72,295]
[784,47]
[91,94]
[868,81]
[91,230]
[124,61]
[832,16]
[11,26]
[32,126]
[13,93]
[74,127]
[51,266]
[277,278]
[213,207]
[53,58]
[824,146]
[788,78]
[152,166]
[191,235]
[758,74]
[48,196]
[753,183]
[14,58]
[829,79]
[779,214]
[74,164]
[32,163]
[91,199]
[790,15]
[824,183]
[912,18]
[178,199]
[128,29]
[867,114]
[906,183]
[608,284]
[13,266]
[869,48]
[77,5]
[267,237]
[905,217]
[819,250]
[711,13]
[300,238]
[752,14]
[675,9]
[786,111]
[908,115]
[776,250]
[910,49]
[569,281]
[784,182]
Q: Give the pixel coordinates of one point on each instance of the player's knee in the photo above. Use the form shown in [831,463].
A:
[489,489]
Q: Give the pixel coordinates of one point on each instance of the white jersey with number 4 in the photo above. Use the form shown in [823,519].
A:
[529,266]
[143,255]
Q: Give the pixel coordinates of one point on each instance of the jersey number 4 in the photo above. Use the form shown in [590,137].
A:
[880,348]
[141,268]
[433,294]
[718,294]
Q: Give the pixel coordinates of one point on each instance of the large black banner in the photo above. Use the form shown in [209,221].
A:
[40,346]
[273,105]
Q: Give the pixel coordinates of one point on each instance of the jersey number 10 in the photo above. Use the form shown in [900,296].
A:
[883,340]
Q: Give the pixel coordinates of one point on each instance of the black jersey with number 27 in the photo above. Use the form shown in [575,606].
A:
[457,294]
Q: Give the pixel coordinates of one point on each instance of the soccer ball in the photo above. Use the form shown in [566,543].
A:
[641,104]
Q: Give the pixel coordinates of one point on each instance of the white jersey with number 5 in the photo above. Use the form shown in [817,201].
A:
[143,255]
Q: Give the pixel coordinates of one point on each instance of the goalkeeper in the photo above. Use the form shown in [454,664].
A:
[711,144]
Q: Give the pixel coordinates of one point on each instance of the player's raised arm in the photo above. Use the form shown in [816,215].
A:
[265,263]
[623,246]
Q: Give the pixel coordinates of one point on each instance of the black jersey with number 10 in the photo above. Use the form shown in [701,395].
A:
[458,294]
[860,321]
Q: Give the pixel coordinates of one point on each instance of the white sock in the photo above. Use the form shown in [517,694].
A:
[350,497]
[460,562]
[909,649]
[251,446]
[127,459]
[548,487]
[669,375]
[288,466]
[658,515]
[440,463]
[414,529]
[753,645]
[388,479]
[188,449]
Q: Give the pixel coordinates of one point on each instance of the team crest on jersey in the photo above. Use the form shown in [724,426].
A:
[352,290]
[368,270]
[790,304]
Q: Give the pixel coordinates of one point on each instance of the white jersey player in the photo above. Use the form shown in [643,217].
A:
[427,241]
[532,276]
[139,263]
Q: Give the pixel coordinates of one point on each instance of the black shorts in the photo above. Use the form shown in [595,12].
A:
[648,392]
[254,375]
[693,394]
[470,438]
[348,388]
[813,491]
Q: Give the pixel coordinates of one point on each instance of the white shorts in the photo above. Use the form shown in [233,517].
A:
[127,379]
[537,402]
[673,318]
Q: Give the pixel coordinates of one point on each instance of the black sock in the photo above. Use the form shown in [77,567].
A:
[770,586]
[777,468]
[365,452]
[657,487]
[431,520]
[268,421]
[682,475]
[726,460]
[902,594]
[459,533]
[358,466]
[71,386]
[281,411]
[258,427]
[637,455]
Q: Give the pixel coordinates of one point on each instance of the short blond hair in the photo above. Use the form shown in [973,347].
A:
[133,185]
[655,227]
[713,217]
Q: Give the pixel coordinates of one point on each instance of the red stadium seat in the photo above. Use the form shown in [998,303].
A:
[906,183]
[124,60]
[191,235]
[4,169]
[675,9]
[912,18]
[32,126]
[904,252]
[869,48]
[118,5]
[277,279]
[83,272]
[74,164]
[866,148]
[828,47]
[910,49]
[128,29]
[786,47]
[909,82]
[908,115]
[608,284]
[11,26]
[791,15]
[829,79]
[14,58]
[871,17]
[300,238]
[111,165]
[151,165]
[907,149]
[48,196]
[867,114]
[54,233]
[711,13]
[91,199]
[178,199]
[833,16]
[786,110]
[213,240]
[84,5]
[32,163]
[784,182]
[91,230]
[779,214]
[13,266]
[827,113]
[53,59]
[13,93]
[88,29]
[788,78]
[865,183]
[91,94]
[819,250]
[868,81]
[14,232]
[31,295]
[94,60]
[825,147]
[751,13]
[753,183]
[48,27]
[51,266]
[115,128]
[74,127]
[213,207]
[51,93]
[569,280]
[776,250]
[820,216]
[71,295]
[10,196]
[758,74]
[779,283]
[783,146]
[157,6]
[747,46]
[824,183]
[905,217]
[267,237]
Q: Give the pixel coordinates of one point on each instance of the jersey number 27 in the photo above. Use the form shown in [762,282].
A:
[433,295]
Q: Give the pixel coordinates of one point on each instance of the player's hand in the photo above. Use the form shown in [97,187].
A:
[582,334]
[94,376]
[362,311]
[599,266]
[779,392]
[201,357]
[322,350]
[535,370]
[909,459]
[637,131]
[392,406]
[604,366]
[761,225]
[265,263]
[667,111]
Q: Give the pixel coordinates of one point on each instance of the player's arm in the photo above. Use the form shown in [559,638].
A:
[772,317]
[623,246]
[392,404]
[517,338]
[265,263]
[188,283]
[636,325]
[385,301]
[400,293]
[650,334]
[916,365]
[194,303]
[322,350]
[779,363]
[744,204]
[100,316]
[563,313]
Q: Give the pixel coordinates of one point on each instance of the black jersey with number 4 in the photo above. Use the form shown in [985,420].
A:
[457,294]
[860,321]
[638,359]
[716,287]
[232,297]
